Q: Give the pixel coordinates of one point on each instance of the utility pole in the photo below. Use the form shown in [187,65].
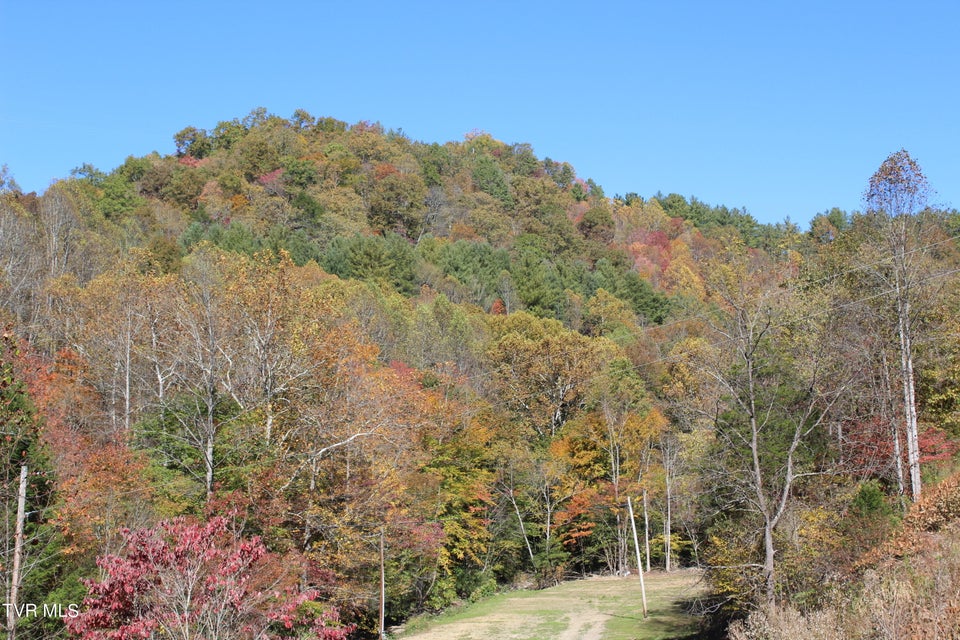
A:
[17,556]
[636,546]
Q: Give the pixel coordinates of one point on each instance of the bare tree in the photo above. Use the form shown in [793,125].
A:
[897,198]
[779,384]
[206,355]
[21,263]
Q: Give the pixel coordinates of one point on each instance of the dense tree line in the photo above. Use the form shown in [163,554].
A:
[295,339]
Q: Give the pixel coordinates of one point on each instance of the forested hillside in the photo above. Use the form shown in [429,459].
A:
[248,379]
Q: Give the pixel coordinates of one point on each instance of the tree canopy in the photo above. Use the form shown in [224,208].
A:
[298,354]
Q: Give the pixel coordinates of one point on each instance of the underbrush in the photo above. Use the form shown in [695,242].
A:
[907,587]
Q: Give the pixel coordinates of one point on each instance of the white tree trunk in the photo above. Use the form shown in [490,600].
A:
[17,557]
[646,529]
[909,399]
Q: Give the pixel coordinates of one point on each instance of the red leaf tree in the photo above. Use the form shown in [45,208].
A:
[190,580]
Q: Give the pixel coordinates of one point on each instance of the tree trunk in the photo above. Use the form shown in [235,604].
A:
[210,433]
[614,448]
[17,557]
[669,450]
[268,435]
[887,413]
[666,528]
[523,529]
[646,528]
[383,589]
[127,374]
[769,577]
[909,397]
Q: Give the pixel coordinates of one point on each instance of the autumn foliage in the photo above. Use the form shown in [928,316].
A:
[189,579]
[234,371]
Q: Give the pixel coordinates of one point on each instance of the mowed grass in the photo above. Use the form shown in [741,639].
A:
[606,608]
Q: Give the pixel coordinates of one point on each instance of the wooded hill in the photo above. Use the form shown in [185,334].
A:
[297,342]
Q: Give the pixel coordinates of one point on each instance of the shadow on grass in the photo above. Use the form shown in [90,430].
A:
[682,619]
[704,608]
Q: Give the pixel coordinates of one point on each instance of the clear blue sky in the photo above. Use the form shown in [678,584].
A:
[784,108]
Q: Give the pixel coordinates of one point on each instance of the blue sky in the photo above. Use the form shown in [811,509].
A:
[784,108]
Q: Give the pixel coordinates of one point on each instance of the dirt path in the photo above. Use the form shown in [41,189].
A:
[593,609]
[584,626]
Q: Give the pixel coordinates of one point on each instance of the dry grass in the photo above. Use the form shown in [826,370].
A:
[913,596]
[592,609]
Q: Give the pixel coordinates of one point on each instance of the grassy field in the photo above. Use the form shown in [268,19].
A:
[592,609]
